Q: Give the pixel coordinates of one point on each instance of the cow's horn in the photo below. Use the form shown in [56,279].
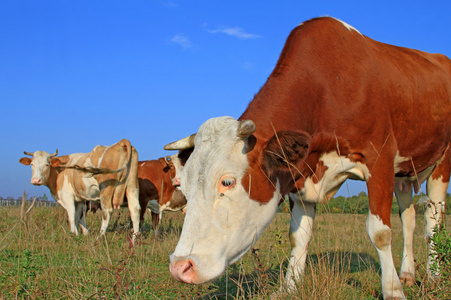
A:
[184,143]
[54,154]
[245,128]
[28,153]
[167,159]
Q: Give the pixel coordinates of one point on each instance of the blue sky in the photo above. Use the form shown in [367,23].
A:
[75,74]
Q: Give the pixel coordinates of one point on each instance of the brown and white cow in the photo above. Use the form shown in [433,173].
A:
[338,105]
[159,187]
[106,174]
[159,183]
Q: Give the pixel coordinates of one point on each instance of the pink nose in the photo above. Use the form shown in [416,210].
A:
[183,271]
[36,181]
[177,181]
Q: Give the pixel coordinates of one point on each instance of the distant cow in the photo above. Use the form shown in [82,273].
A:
[159,182]
[338,105]
[106,174]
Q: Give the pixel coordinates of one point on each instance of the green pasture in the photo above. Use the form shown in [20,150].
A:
[40,259]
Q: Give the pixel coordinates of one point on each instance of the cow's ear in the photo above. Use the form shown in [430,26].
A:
[283,149]
[25,161]
[163,161]
[55,162]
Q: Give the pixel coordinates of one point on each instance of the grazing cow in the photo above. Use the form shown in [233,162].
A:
[159,182]
[105,174]
[337,105]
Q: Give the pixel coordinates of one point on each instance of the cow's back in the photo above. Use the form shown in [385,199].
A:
[332,79]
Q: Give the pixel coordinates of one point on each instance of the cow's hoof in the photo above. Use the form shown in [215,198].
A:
[407,280]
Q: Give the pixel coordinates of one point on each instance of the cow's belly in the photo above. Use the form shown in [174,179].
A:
[90,189]
[321,188]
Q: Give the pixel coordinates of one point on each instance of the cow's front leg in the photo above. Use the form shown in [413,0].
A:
[106,211]
[68,203]
[403,194]
[302,217]
[80,208]
[380,194]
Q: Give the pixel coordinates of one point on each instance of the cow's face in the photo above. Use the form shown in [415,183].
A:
[225,216]
[176,169]
[41,164]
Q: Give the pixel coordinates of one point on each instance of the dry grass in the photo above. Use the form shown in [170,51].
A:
[39,259]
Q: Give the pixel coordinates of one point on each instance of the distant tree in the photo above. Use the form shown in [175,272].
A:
[44,198]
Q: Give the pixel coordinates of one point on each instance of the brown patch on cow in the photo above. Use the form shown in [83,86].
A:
[382,239]
[166,167]
[155,183]
[319,172]
[256,185]
[283,156]
[357,157]
[25,161]
[443,169]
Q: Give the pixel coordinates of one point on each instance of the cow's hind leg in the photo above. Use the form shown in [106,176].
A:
[134,208]
[80,217]
[156,224]
[302,217]
[403,194]
[436,186]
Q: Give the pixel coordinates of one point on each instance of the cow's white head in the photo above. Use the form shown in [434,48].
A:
[41,163]
[230,200]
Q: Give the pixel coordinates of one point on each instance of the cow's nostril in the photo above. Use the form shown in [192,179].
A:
[183,271]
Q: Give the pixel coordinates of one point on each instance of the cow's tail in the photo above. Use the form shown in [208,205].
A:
[96,171]
[119,192]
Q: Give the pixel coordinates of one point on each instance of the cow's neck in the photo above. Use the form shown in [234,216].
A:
[52,181]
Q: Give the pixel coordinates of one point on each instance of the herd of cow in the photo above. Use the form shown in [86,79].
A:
[338,105]
[107,178]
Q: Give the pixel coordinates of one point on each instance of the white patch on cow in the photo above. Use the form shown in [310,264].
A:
[92,190]
[142,165]
[435,208]
[339,169]
[167,207]
[67,200]
[103,154]
[349,27]
[178,169]
[301,229]
[398,160]
[219,228]
[380,236]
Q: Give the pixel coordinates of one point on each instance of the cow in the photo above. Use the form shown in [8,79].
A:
[338,105]
[159,186]
[106,174]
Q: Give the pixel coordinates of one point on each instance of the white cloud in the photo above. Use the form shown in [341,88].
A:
[182,40]
[235,32]
[169,4]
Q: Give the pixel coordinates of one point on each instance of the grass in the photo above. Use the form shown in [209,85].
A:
[40,259]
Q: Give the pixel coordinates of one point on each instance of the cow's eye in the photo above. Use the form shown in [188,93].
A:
[229,182]
[226,183]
